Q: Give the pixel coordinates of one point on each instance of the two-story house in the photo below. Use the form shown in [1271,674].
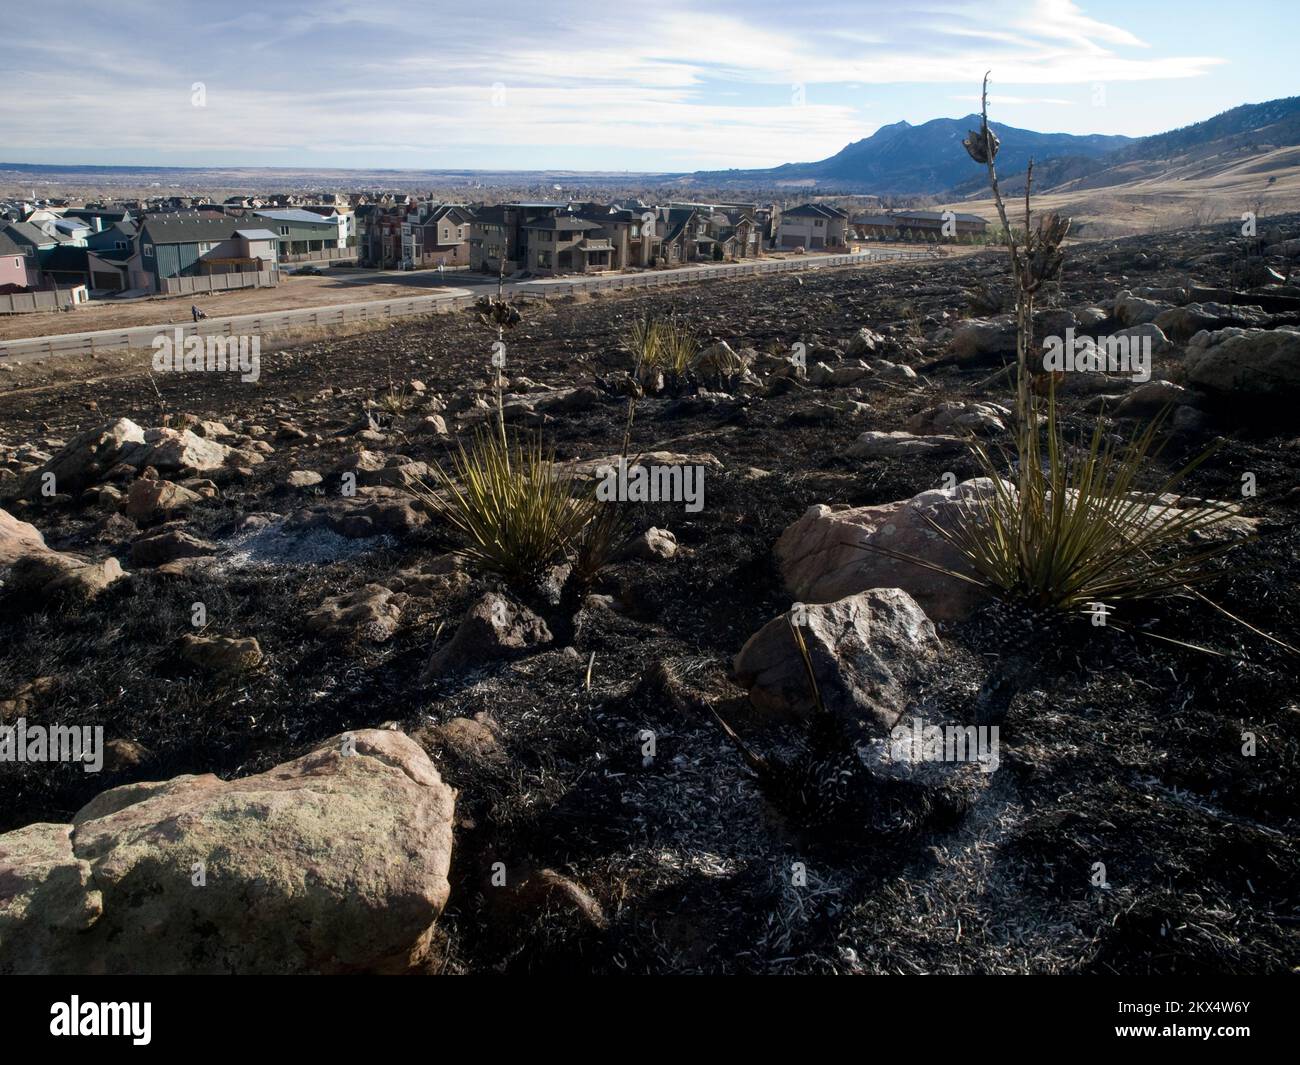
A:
[18,269]
[814,227]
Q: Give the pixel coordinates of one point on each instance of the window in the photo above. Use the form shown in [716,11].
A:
[148,251]
[284,231]
[18,262]
[120,245]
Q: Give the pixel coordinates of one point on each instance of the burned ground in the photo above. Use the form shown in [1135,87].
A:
[1119,747]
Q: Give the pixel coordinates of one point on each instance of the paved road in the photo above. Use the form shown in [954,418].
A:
[430,293]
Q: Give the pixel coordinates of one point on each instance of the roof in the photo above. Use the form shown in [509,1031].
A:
[186,227]
[256,234]
[29,235]
[453,213]
[563,224]
[116,255]
[814,210]
[9,246]
[294,214]
[937,216]
[494,215]
[113,231]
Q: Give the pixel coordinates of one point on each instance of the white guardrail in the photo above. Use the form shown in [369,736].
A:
[250,324]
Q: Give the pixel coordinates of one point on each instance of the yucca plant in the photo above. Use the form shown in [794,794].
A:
[674,352]
[508,506]
[1075,529]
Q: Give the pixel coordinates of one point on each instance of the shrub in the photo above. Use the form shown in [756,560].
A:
[1075,529]
[508,506]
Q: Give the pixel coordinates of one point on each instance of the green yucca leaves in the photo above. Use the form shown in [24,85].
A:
[666,345]
[508,506]
[1075,529]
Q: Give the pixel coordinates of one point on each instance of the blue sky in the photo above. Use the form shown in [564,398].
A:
[586,85]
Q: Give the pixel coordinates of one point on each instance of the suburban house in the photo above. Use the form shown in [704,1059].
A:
[41,241]
[186,244]
[18,270]
[631,232]
[249,249]
[361,221]
[683,228]
[917,225]
[299,231]
[342,215]
[493,239]
[814,227]
[110,254]
[728,230]
[379,234]
[497,237]
[565,244]
[437,234]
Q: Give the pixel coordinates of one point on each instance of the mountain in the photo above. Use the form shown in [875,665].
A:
[1258,135]
[903,159]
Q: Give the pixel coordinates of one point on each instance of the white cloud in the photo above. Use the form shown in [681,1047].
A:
[398,83]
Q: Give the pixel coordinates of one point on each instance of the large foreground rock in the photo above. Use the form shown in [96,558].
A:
[863,648]
[173,450]
[39,572]
[85,459]
[827,554]
[1246,363]
[335,862]
[19,540]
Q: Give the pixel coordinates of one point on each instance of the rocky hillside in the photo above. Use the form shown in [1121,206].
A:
[915,160]
[307,698]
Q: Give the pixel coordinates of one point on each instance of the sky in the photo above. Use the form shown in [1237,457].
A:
[560,84]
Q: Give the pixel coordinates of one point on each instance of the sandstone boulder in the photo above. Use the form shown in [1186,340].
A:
[1246,364]
[228,655]
[372,613]
[19,539]
[493,629]
[826,555]
[85,459]
[149,498]
[335,862]
[863,649]
[875,444]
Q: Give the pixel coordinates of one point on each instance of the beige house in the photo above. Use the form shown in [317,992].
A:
[814,227]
